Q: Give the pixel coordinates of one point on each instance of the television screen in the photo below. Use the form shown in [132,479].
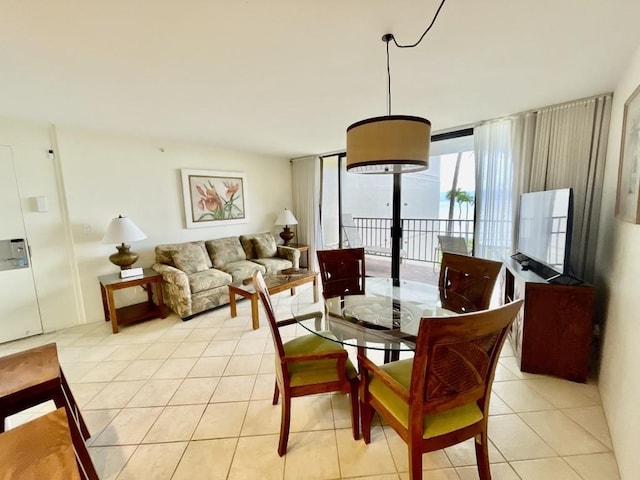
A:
[544,229]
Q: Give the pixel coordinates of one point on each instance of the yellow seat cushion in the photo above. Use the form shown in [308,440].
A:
[314,371]
[434,424]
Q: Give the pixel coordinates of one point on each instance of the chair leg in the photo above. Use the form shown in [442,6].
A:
[355,408]
[276,394]
[482,456]
[284,424]
[75,410]
[415,462]
[87,470]
[366,414]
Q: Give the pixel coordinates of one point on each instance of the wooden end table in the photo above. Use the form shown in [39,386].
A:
[139,311]
[287,279]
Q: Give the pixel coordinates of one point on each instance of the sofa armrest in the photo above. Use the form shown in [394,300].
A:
[291,254]
[172,275]
[176,289]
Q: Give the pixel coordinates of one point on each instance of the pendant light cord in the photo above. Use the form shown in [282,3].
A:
[389,36]
[424,33]
[388,81]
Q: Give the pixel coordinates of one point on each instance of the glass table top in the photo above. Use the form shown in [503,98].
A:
[384,316]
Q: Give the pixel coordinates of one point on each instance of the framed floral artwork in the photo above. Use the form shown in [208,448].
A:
[214,198]
[627,199]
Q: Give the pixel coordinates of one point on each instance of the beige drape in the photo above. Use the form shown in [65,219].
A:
[306,203]
[554,147]
[568,149]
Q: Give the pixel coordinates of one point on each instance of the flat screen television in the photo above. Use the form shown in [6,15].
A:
[544,230]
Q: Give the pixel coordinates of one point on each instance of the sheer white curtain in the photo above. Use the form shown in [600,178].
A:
[306,203]
[496,197]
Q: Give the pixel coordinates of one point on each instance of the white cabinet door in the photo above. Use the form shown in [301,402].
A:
[19,313]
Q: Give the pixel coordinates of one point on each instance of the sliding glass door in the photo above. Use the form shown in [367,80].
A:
[429,207]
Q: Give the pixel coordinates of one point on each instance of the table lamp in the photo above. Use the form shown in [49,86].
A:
[122,230]
[286,218]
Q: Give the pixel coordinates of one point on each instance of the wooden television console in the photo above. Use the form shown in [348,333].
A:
[553,330]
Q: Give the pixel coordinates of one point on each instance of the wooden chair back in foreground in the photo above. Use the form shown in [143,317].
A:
[440,397]
[307,365]
[42,448]
[471,277]
[34,376]
[342,271]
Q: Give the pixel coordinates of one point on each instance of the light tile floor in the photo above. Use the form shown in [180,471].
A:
[167,399]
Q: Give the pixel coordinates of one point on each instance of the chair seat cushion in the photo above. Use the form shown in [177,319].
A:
[241,270]
[434,424]
[309,373]
[212,278]
[274,264]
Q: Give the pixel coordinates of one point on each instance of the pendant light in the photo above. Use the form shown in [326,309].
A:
[393,143]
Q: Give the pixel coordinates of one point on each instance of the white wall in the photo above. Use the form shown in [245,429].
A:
[618,263]
[106,175]
[96,176]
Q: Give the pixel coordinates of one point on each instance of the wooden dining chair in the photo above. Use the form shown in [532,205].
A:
[440,397]
[342,271]
[470,277]
[34,376]
[307,365]
[43,448]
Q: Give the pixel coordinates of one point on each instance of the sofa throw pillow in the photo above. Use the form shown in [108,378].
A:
[265,245]
[190,258]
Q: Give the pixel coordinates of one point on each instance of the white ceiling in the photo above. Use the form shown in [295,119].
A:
[286,77]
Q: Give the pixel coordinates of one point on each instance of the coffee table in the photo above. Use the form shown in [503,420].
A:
[278,282]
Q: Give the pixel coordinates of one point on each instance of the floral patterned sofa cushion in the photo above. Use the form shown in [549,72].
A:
[208,279]
[225,250]
[265,245]
[190,258]
[273,265]
[164,253]
[242,270]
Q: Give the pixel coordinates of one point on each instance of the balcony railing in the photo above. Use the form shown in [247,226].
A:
[419,238]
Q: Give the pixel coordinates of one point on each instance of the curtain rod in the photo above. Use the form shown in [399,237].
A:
[539,109]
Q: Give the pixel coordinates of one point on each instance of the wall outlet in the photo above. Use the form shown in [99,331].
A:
[87,229]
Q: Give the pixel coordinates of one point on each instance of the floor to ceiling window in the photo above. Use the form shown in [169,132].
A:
[436,205]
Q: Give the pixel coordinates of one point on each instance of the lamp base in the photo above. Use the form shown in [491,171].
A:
[124,258]
[286,235]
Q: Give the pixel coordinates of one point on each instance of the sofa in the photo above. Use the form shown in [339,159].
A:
[196,275]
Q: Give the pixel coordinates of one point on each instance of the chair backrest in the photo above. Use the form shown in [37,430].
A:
[351,231]
[455,359]
[263,293]
[342,271]
[470,277]
[453,244]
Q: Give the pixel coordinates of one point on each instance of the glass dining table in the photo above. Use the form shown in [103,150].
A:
[382,316]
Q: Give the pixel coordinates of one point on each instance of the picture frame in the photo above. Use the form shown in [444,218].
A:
[213,198]
[627,197]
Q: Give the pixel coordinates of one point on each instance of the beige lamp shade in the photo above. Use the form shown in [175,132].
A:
[122,230]
[286,218]
[391,144]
